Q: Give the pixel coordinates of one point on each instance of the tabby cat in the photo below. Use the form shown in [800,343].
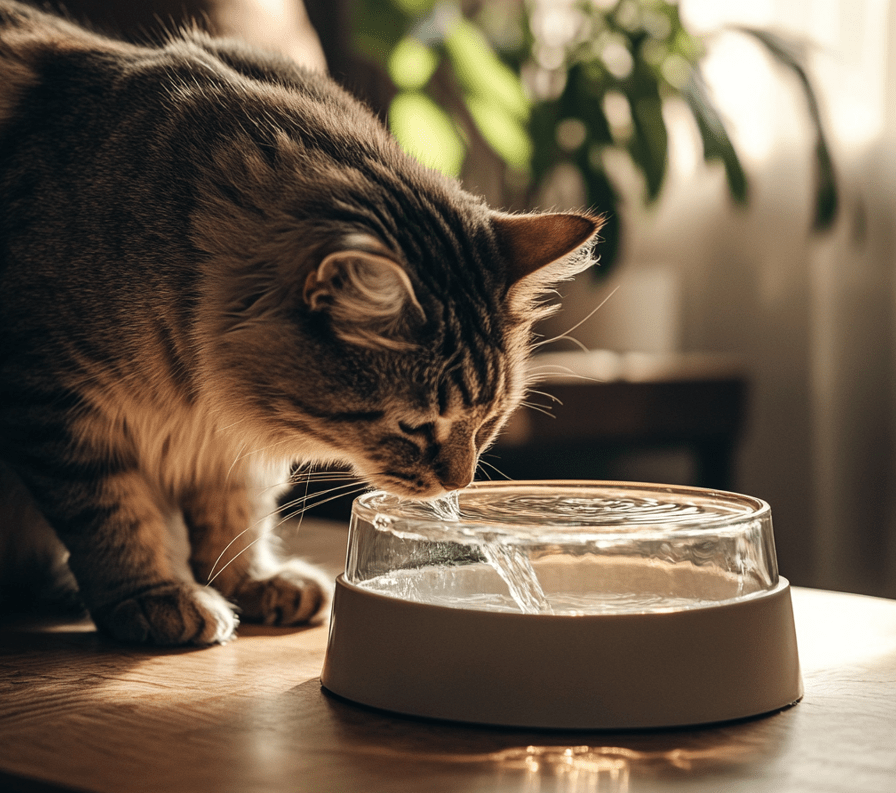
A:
[213,264]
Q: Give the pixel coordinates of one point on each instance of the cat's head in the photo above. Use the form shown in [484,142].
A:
[372,313]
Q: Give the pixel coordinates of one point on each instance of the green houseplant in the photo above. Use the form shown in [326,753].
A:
[544,83]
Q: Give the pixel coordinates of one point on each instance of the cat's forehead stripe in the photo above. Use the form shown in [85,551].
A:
[441,247]
[437,236]
[478,382]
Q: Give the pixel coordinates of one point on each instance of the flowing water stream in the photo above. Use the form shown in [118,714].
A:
[509,561]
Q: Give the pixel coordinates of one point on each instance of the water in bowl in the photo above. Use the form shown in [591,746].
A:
[572,548]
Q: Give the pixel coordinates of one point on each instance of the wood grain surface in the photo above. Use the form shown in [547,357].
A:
[80,713]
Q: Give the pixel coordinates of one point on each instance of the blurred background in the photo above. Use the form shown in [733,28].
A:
[744,154]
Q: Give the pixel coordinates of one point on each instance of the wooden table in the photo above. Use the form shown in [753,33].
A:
[79,713]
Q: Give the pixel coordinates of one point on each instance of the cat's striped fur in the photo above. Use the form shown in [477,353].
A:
[214,264]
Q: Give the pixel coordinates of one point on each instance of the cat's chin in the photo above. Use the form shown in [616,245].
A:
[436,496]
[415,494]
[411,491]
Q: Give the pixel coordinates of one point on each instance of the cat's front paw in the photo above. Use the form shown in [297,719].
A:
[292,595]
[173,614]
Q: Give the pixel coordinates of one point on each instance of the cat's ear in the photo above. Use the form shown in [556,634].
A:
[529,243]
[369,297]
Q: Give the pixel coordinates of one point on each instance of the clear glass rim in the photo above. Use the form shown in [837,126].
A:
[747,509]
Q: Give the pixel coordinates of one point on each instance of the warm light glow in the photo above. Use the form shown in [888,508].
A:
[606,769]
[427,132]
[707,16]
[575,769]
[846,46]
[280,25]
[850,61]
[822,647]
[748,93]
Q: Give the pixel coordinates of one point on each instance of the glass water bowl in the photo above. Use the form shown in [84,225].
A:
[564,604]
[564,548]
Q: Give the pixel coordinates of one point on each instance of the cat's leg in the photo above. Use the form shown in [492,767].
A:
[34,572]
[118,534]
[234,548]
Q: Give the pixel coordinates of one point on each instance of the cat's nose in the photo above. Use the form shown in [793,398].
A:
[454,475]
[455,463]
[457,482]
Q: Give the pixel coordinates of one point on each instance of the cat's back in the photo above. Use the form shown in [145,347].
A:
[44,55]
[120,130]
[122,167]
[27,38]
[97,185]
[65,215]
[103,145]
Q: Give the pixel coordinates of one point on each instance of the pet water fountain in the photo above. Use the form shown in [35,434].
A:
[564,604]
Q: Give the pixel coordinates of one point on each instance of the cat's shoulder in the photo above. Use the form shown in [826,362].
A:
[28,37]
[26,32]
[247,61]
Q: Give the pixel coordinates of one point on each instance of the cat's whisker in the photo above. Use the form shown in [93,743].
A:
[494,468]
[306,467]
[326,480]
[307,487]
[318,477]
[348,487]
[235,557]
[212,575]
[534,378]
[235,461]
[546,394]
[549,369]
[300,512]
[306,507]
[251,527]
[243,455]
[232,425]
[565,334]
[563,337]
[326,475]
[345,482]
[546,365]
[538,408]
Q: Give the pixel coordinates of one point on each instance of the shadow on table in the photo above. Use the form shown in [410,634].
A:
[574,762]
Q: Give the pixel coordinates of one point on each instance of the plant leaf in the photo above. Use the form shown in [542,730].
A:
[649,142]
[542,124]
[791,55]
[482,73]
[377,28]
[412,64]
[502,131]
[716,143]
[426,132]
[583,97]
[413,7]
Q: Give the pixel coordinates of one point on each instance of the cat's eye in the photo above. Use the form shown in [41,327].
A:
[484,433]
[427,428]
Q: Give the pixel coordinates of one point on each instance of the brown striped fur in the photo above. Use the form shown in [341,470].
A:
[213,265]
